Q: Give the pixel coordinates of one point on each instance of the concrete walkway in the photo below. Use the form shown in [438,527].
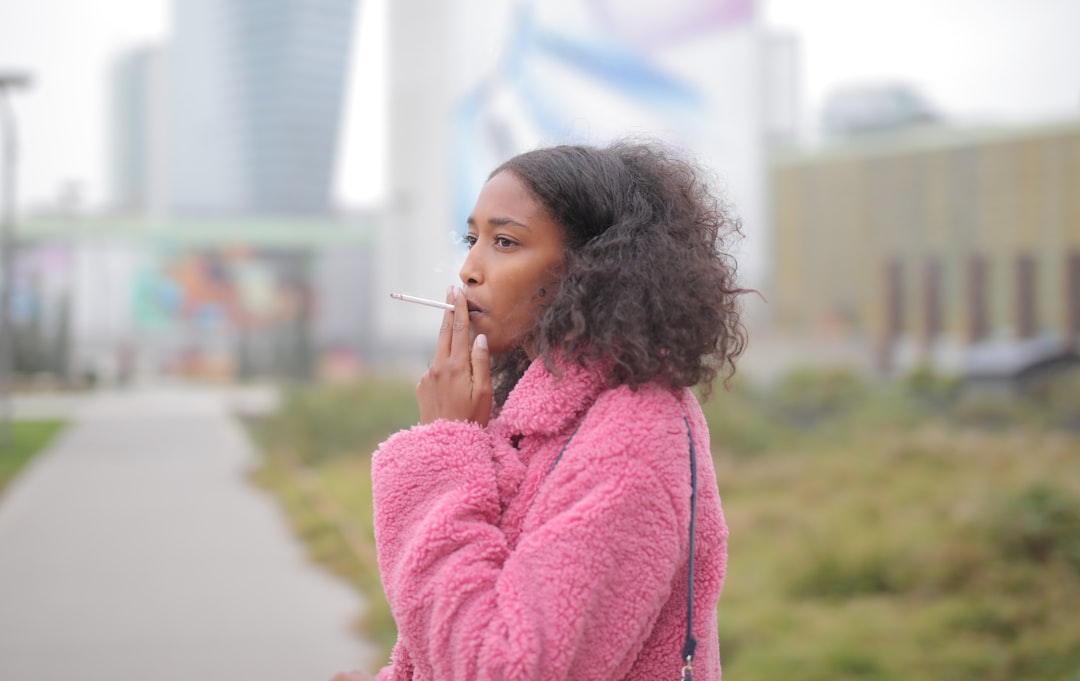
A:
[135,548]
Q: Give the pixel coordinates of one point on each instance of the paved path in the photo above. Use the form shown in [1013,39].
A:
[135,548]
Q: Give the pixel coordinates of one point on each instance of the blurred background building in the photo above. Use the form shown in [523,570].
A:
[256,98]
[868,108]
[222,254]
[957,249]
[882,232]
[137,135]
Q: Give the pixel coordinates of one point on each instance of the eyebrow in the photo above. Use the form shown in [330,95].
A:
[498,222]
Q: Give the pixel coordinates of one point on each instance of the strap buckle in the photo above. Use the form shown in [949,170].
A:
[687,673]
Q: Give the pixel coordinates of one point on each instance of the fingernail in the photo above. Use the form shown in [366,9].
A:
[481,342]
[449,294]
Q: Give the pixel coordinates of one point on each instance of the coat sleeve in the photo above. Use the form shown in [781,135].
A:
[576,598]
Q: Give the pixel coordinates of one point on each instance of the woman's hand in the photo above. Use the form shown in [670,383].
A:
[353,676]
[457,385]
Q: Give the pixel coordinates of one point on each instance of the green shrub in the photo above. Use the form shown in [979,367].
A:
[1058,397]
[806,397]
[740,423]
[930,390]
[318,423]
[994,411]
[1039,523]
[835,575]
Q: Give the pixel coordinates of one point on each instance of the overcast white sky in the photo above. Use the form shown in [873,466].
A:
[978,60]
[1000,61]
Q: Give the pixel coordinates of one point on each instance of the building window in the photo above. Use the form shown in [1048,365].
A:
[977,311]
[893,306]
[931,300]
[1072,299]
[894,298]
[1025,296]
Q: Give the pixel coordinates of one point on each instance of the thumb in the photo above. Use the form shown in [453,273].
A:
[481,377]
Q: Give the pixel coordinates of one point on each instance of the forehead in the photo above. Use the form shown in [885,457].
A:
[508,194]
[505,201]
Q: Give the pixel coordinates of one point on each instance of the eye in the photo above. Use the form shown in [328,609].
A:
[468,240]
[504,242]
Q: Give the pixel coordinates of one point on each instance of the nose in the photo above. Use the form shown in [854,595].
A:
[471,272]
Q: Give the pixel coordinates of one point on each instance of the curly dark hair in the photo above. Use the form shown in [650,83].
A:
[649,286]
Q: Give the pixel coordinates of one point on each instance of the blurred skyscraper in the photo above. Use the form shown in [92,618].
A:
[256,94]
[782,85]
[227,137]
[136,168]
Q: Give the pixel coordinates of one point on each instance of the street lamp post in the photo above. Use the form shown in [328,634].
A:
[8,81]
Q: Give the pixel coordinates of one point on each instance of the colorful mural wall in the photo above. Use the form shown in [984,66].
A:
[238,288]
[241,310]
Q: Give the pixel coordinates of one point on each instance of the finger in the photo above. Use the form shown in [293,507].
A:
[426,400]
[460,340]
[442,346]
[481,379]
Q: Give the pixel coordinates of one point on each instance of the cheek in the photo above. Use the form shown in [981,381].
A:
[517,317]
[522,295]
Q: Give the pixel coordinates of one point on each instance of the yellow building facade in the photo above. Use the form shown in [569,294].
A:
[917,246]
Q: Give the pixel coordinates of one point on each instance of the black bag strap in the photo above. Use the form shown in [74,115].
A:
[690,646]
[691,643]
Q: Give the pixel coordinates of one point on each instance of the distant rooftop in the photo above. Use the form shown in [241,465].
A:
[870,108]
[918,139]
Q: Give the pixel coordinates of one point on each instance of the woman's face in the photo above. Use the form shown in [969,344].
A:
[515,251]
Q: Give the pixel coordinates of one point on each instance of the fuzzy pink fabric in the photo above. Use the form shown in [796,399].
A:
[498,567]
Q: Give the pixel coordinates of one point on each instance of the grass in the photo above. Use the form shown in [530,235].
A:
[339,539]
[317,462]
[877,532]
[931,554]
[27,439]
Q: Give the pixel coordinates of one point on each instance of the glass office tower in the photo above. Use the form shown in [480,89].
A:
[257,91]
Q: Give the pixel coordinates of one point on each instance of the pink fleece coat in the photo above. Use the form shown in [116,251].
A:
[498,566]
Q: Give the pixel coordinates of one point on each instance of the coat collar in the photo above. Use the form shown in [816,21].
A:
[545,403]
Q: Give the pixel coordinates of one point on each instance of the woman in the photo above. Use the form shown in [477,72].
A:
[537,523]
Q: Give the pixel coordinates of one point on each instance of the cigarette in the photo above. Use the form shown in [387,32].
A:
[421,301]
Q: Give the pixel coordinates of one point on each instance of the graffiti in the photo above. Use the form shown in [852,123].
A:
[240,288]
